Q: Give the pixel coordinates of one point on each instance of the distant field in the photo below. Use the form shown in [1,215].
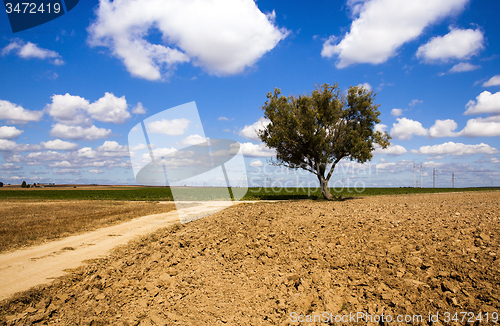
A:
[88,193]
[165,194]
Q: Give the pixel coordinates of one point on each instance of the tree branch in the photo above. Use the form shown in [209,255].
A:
[333,166]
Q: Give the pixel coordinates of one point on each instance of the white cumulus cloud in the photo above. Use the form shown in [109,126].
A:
[405,128]
[69,109]
[457,149]
[75,110]
[17,114]
[393,150]
[194,140]
[443,128]
[221,36]
[79,133]
[58,144]
[109,108]
[397,112]
[139,109]
[383,26]
[457,44]
[256,150]
[111,148]
[256,163]
[380,127]
[482,127]
[250,132]
[366,86]
[9,132]
[486,102]
[174,127]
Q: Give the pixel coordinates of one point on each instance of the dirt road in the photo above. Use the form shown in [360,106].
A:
[23,269]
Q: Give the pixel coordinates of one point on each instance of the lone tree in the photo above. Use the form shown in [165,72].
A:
[23,185]
[315,132]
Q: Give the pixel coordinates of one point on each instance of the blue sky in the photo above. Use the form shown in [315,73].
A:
[73,88]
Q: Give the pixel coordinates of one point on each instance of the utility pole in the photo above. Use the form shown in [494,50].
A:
[434,178]
[420,175]
[453,180]
[414,182]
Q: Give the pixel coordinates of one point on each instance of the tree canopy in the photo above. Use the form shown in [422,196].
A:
[314,132]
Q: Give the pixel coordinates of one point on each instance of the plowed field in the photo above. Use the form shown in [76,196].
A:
[278,263]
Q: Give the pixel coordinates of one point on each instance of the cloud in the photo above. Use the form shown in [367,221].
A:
[493,81]
[69,109]
[415,102]
[457,149]
[221,36]
[173,127]
[383,26]
[380,127]
[30,51]
[9,167]
[17,114]
[66,171]
[139,109]
[79,133]
[397,112]
[250,132]
[463,66]
[485,103]
[366,86]
[86,152]
[96,171]
[393,150]
[10,146]
[224,119]
[457,44]
[9,132]
[7,145]
[194,140]
[256,163]
[253,150]
[109,108]
[62,164]
[482,127]
[112,149]
[405,128]
[443,128]
[158,153]
[58,144]
[75,110]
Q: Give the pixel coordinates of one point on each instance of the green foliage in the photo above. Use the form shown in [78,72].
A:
[23,185]
[164,194]
[140,193]
[316,193]
[1,184]
[314,132]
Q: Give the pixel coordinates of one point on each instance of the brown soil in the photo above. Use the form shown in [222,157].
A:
[256,264]
[26,223]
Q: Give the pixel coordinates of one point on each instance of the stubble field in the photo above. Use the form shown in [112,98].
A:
[269,263]
[29,222]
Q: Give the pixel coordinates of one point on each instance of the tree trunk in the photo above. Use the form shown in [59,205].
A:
[323,183]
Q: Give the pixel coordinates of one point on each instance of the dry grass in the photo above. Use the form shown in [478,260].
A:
[25,223]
